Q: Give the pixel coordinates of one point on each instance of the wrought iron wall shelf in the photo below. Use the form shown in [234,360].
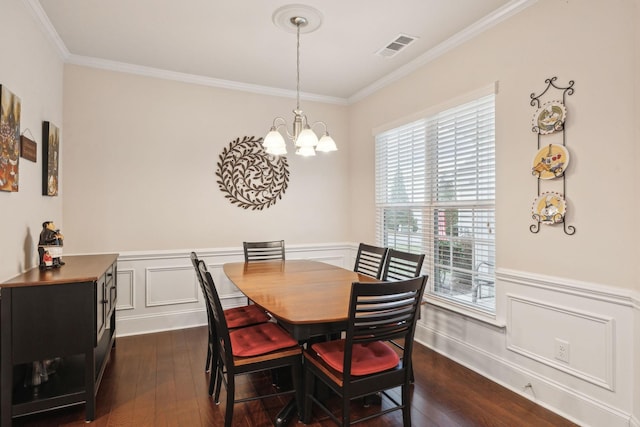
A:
[552,158]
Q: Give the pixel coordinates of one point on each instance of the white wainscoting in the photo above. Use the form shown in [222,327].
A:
[597,386]
[158,290]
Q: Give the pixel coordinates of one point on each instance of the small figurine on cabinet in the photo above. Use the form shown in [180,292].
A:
[50,246]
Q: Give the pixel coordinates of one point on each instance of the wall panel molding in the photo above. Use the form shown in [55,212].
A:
[170,286]
[126,289]
[596,346]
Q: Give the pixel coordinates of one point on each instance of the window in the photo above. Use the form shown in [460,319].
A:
[435,194]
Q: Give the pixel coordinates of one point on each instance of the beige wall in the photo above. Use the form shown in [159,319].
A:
[31,69]
[140,160]
[590,42]
[133,158]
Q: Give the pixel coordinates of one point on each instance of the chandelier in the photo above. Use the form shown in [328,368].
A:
[303,136]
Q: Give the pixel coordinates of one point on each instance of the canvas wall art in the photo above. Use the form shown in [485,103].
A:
[50,151]
[9,139]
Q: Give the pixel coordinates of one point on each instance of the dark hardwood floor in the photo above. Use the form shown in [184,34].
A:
[159,380]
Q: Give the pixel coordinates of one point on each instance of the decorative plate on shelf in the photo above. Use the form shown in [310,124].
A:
[549,118]
[549,208]
[550,162]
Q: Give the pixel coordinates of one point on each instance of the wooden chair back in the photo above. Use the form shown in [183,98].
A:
[401,265]
[263,251]
[370,260]
[223,342]
[196,265]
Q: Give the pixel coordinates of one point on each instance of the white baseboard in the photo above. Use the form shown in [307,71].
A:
[159,322]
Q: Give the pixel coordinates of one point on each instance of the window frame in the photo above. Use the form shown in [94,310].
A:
[429,205]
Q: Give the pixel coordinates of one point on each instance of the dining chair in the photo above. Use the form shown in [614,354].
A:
[195,261]
[401,265]
[263,251]
[370,260]
[260,347]
[271,250]
[237,317]
[363,363]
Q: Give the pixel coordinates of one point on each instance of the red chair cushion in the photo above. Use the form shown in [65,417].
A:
[259,339]
[238,317]
[366,359]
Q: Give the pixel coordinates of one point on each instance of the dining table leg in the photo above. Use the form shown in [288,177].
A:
[284,416]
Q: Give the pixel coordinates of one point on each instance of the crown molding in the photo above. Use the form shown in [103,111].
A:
[489,21]
[48,29]
[123,67]
[34,7]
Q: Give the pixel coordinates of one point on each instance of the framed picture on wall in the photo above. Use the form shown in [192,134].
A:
[50,156]
[9,139]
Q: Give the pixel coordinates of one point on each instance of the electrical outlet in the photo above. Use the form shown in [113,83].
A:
[562,350]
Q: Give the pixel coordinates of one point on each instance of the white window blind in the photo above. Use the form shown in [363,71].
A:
[435,194]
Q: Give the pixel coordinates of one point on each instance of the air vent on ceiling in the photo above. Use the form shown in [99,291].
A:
[396,45]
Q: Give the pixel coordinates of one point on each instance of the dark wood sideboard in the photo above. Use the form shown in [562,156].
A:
[65,314]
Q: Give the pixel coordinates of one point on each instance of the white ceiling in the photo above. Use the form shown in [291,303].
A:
[235,42]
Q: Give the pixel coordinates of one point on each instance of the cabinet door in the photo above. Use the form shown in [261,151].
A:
[51,321]
[101,307]
[111,291]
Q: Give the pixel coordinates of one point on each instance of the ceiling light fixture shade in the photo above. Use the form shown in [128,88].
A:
[303,136]
[326,144]
[274,142]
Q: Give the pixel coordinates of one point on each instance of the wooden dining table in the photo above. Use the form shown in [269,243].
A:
[308,298]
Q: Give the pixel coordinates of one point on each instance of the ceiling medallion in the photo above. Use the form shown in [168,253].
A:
[249,177]
[283,18]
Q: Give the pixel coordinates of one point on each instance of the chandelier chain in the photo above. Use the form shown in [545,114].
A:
[298,67]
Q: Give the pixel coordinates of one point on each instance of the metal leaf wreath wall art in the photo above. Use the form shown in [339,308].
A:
[249,177]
